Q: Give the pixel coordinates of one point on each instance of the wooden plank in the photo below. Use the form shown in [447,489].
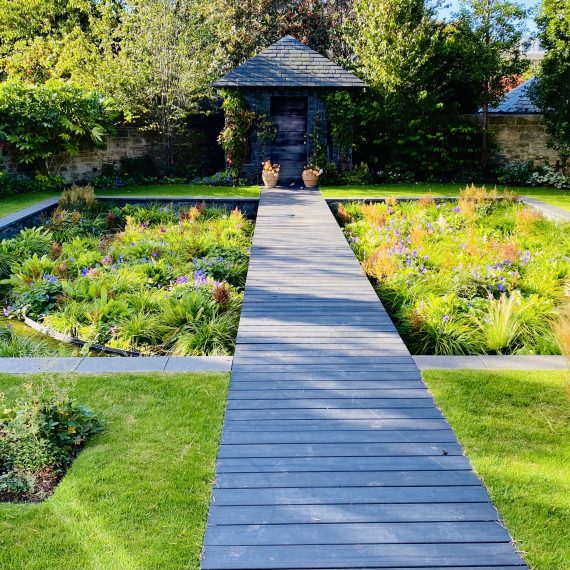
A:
[329,464]
[329,392]
[357,533]
[336,436]
[349,386]
[353,480]
[325,424]
[353,449]
[335,414]
[351,513]
[393,556]
[329,403]
[351,496]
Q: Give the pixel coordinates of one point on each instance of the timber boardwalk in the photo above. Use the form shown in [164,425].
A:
[333,454]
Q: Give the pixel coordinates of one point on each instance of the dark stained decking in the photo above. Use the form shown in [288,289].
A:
[333,454]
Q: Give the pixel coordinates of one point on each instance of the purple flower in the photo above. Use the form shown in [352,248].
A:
[182,279]
[456,209]
[501,288]
[445,318]
[353,239]
[200,278]
[132,244]
[162,230]
[71,259]
[85,271]
[7,310]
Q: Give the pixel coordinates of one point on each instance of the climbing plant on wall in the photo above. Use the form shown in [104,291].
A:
[234,136]
[341,111]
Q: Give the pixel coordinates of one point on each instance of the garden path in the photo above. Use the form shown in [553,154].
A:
[333,453]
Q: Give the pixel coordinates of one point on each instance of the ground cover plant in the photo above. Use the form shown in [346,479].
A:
[40,435]
[476,275]
[152,279]
[515,429]
[137,495]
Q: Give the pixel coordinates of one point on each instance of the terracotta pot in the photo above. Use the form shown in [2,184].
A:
[269,179]
[310,179]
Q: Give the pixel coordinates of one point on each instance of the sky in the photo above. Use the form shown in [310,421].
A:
[452,5]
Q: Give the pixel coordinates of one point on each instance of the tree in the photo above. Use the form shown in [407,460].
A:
[551,91]
[44,123]
[493,30]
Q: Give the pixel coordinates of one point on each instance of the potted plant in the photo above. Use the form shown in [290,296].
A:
[311,175]
[270,173]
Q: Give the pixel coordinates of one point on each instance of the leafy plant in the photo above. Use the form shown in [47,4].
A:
[57,119]
[482,274]
[40,436]
[140,280]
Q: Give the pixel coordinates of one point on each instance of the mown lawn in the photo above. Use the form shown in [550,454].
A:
[185,190]
[515,427]
[11,204]
[551,196]
[137,496]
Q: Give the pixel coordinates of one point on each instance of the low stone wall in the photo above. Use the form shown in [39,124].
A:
[519,137]
[127,142]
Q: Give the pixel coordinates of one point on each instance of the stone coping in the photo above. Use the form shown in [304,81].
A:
[118,364]
[115,365]
[28,212]
[485,362]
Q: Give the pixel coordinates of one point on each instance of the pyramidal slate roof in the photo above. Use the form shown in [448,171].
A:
[289,63]
[517,101]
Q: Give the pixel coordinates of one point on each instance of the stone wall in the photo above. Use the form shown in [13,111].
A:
[519,137]
[127,142]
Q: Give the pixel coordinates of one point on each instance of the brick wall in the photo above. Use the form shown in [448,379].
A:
[519,137]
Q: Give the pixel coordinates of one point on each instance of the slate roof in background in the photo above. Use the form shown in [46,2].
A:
[289,63]
[517,101]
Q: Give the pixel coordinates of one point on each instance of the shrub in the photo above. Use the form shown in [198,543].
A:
[526,173]
[224,178]
[515,172]
[40,436]
[41,122]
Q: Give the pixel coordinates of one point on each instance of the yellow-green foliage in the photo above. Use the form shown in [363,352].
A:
[150,279]
[480,274]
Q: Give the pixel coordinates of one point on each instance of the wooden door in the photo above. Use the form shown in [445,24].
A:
[289,148]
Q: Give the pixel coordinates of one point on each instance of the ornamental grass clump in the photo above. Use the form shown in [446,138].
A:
[40,435]
[158,280]
[483,274]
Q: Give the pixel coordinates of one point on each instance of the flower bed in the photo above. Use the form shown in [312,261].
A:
[477,275]
[151,279]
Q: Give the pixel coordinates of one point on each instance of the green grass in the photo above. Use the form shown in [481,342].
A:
[137,496]
[12,204]
[553,196]
[515,428]
[185,190]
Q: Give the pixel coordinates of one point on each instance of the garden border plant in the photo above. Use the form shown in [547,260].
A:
[40,436]
[481,275]
[149,279]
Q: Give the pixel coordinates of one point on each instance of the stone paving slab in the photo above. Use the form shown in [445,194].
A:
[199,364]
[485,362]
[39,365]
[116,365]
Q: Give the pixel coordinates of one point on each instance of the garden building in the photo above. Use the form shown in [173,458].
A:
[285,84]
